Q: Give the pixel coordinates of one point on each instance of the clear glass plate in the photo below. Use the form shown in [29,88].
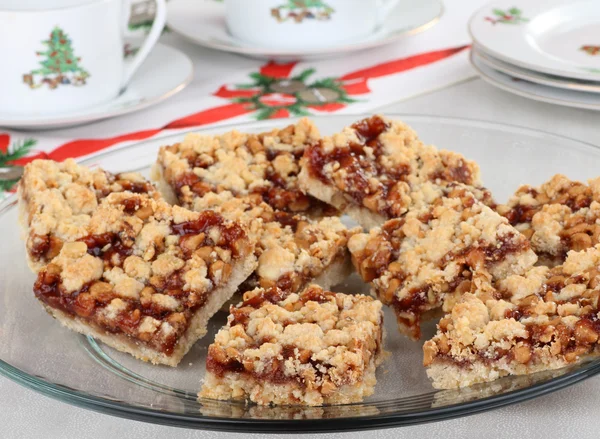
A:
[38,353]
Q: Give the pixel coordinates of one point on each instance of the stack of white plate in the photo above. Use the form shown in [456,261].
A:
[547,50]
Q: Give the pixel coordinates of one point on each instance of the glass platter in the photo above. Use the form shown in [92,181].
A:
[38,353]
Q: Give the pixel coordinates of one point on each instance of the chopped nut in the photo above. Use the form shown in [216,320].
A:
[575,354]
[205,253]
[101,291]
[220,271]
[144,212]
[476,258]
[584,334]
[580,241]
[391,291]
[443,345]
[522,353]
[429,353]
[192,242]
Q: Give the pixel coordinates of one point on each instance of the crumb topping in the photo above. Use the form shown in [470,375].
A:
[60,198]
[543,318]
[416,262]
[141,272]
[558,216]
[382,165]
[292,249]
[316,339]
[264,164]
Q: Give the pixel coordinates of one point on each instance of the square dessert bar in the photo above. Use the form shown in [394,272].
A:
[432,255]
[292,249]
[264,164]
[146,277]
[545,319]
[57,199]
[311,348]
[375,170]
[558,216]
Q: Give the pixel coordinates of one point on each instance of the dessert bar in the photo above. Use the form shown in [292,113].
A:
[264,164]
[377,169]
[311,348]
[430,256]
[558,216]
[543,320]
[292,249]
[145,277]
[57,199]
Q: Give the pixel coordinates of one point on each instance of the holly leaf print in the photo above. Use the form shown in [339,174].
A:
[265,113]
[7,185]
[299,111]
[17,151]
[305,74]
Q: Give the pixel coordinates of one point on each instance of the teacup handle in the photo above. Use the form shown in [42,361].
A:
[384,8]
[160,20]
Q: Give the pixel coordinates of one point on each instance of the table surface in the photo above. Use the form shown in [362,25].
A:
[26,414]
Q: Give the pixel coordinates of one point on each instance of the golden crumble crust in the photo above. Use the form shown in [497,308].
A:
[543,319]
[265,164]
[557,216]
[381,165]
[58,199]
[144,269]
[420,261]
[291,249]
[312,344]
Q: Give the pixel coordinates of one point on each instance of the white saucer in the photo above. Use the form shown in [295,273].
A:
[548,36]
[203,22]
[164,73]
[538,92]
[533,76]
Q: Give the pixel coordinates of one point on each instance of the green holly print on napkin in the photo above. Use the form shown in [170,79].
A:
[8,154]
[292,95]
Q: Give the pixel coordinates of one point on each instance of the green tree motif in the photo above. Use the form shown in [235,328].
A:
[59,65]
[59,55]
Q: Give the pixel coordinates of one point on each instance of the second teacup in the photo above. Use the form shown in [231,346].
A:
[305,24]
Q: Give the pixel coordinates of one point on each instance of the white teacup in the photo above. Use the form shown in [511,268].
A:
[305,24]
[64,55]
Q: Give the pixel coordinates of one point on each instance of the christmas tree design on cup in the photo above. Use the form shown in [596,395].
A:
[299,10]
[59,65]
